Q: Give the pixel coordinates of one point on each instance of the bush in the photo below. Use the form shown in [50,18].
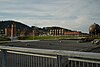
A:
[25,38]
[4,39]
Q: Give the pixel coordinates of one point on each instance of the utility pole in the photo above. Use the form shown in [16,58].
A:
[33,34]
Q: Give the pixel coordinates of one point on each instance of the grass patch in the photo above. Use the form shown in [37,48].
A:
[47,37]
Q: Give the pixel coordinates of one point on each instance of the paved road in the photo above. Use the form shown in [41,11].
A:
[53,44]
[23,61]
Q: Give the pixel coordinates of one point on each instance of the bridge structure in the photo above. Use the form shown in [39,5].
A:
[31,57]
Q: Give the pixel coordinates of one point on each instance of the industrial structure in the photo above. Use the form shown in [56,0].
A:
[10,31]
[94,29]
[13,28]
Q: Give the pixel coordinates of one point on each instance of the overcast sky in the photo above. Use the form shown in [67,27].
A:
[71,14]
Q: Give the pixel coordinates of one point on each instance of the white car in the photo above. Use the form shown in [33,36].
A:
[95,41]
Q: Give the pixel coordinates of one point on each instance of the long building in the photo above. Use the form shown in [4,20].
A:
[72,33]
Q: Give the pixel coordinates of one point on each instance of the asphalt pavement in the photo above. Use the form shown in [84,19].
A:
[70,45]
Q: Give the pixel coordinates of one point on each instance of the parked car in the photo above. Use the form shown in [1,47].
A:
[95,41]
[84,40]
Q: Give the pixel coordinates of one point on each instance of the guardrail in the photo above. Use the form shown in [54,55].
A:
[30,57]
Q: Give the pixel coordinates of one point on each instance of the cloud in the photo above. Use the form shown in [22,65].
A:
[72,14]
[4,0]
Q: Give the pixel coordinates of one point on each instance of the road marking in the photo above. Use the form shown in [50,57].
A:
[23,40]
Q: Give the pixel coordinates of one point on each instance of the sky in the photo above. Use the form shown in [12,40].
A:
[71,14]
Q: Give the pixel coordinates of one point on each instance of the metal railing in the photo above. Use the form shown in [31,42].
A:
[30,57]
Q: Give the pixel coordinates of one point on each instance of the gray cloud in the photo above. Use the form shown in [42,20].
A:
[73,14]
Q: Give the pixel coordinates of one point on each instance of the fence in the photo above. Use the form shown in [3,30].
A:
[30,57]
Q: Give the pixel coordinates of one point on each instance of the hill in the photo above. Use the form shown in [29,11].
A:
[5,24]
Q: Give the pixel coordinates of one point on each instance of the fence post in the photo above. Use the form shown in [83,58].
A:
[59,63]
[62,61]
[4,58]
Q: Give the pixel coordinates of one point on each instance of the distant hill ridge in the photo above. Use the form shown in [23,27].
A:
[19,25]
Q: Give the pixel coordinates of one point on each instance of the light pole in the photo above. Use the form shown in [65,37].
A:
[33,34]
[12,32]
